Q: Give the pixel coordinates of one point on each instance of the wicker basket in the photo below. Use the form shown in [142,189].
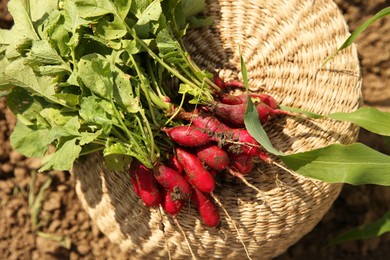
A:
[284,44]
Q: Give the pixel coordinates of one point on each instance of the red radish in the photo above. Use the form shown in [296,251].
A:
[267,99]
[249,145]
[196,174]
[241,163]
[265,112]
[231,113]
[207,209]
[190,136]
[172,181]
[264,157]
[232,99]
[174,163]
[235,113]
[171,205]
[242,98]
[222,84]
[206,121]
[147,186]
[234,84]
[218,81]
[213,156]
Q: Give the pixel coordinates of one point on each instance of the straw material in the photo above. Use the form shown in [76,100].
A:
[284,44]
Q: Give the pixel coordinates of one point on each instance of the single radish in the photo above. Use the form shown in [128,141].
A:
[172,181]
[242,98]
[265,112]
[238,141]
[207,209]
[235,113]
[248,144]
[241,163]
[170,204]
[174,163]
[213,156]
[234,84]
[231,113]
[232,99]
[190,136]
[147,186]
[196,174]
[206,121]
[267,99]
[222,84]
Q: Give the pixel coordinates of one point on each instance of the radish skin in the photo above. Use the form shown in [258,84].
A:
[206,121]
[169,204]
[213,156]
[195,173]
[174,163]
[241,163]
[147,186]
[249,145]
[242,98]
[231,113]
[207,209]
[218,81]
[189,136]
[172,181]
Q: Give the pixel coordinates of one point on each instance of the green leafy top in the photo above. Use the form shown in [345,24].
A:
[93,77]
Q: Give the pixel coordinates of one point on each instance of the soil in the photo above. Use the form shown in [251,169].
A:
[64,230]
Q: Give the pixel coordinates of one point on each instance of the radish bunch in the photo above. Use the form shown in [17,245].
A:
[213,139]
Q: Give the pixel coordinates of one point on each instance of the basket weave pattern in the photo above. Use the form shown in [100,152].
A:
[284,44]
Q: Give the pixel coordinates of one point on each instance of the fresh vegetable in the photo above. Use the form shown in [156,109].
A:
[242,98]
[170,204]
[233,114]
[241,163]
[247,143]
[213,156]
[147,186]
[172,181]
[190,136]
[114,77]
[207,209]
[196,174]
[205,120]
[174,163]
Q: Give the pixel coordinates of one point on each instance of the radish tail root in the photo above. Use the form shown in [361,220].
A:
[185,237]
[162,227]
[232,221]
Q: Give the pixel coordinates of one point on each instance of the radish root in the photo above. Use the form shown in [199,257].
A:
[243,179]
[232,221]
[185,237]
[162,228]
